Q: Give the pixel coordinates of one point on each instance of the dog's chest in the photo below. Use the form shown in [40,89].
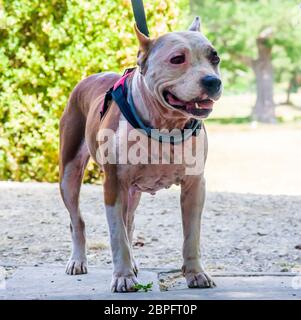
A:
[151,177]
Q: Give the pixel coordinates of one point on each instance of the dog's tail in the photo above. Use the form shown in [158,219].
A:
[72,129]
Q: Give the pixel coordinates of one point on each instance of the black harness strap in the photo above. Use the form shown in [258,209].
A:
[108,96]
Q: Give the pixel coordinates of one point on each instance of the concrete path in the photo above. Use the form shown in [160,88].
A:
[51,283]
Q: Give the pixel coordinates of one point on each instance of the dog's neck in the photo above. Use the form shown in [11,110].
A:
[151,111]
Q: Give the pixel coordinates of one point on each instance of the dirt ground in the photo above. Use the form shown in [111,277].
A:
[252,219]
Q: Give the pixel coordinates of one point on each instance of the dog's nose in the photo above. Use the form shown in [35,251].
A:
[211,84]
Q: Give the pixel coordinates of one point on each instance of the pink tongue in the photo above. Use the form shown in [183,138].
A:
[173,101]
[190,105]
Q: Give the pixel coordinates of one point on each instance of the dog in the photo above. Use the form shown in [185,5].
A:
[177,79]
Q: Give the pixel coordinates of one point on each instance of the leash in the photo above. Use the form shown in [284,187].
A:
[139,14]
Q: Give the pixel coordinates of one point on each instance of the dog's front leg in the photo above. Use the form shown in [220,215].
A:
[192,203]
[124,278]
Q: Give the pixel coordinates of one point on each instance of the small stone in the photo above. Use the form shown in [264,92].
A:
[59,259]
[261,234]
[138,243]
[298,247]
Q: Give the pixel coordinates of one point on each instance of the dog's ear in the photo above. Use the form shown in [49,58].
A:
[144,48]
[144,41]
[196,25]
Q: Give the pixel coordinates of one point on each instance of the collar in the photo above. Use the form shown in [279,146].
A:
[123,98]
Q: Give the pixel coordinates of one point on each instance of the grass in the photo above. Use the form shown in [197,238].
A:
[144,287]
[246,120]
[232,120]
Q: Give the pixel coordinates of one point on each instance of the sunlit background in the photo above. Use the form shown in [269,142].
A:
[47,46]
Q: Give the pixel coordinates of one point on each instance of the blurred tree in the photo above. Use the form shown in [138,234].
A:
[254,34]
[293,86]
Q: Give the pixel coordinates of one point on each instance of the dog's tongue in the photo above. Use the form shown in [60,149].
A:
[173,101]
[190,105]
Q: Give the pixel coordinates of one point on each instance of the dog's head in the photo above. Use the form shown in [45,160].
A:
[182,70]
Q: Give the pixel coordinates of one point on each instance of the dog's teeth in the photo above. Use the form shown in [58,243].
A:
[196,105]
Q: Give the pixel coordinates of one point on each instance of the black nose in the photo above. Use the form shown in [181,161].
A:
[211,84]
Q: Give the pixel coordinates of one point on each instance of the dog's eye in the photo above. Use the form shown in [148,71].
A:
[214,58]
[178,59]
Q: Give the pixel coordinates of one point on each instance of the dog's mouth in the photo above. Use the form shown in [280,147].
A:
[197,107]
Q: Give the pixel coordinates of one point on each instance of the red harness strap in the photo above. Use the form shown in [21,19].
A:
[108,98]
[121,81]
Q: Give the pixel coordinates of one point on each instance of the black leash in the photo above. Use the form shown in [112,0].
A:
[139,15]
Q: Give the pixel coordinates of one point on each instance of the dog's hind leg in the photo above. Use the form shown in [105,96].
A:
[133,201]
[74,157]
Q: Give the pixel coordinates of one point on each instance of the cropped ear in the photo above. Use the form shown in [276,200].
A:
[144,48]
[196,24]
[144,41]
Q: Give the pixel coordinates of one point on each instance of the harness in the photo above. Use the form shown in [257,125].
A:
[123,98]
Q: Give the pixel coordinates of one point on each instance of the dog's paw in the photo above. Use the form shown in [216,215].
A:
[124,283]
[76,266]
[199,280]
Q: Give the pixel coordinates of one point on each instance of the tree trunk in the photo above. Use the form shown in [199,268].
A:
[288,92]
[294,83]
[264,109]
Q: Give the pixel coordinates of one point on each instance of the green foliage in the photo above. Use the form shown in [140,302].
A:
[234,25]
[46,48]
[233,120]
[145,287]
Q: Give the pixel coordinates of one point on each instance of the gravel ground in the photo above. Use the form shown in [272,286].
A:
[252,219]
[241,232]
